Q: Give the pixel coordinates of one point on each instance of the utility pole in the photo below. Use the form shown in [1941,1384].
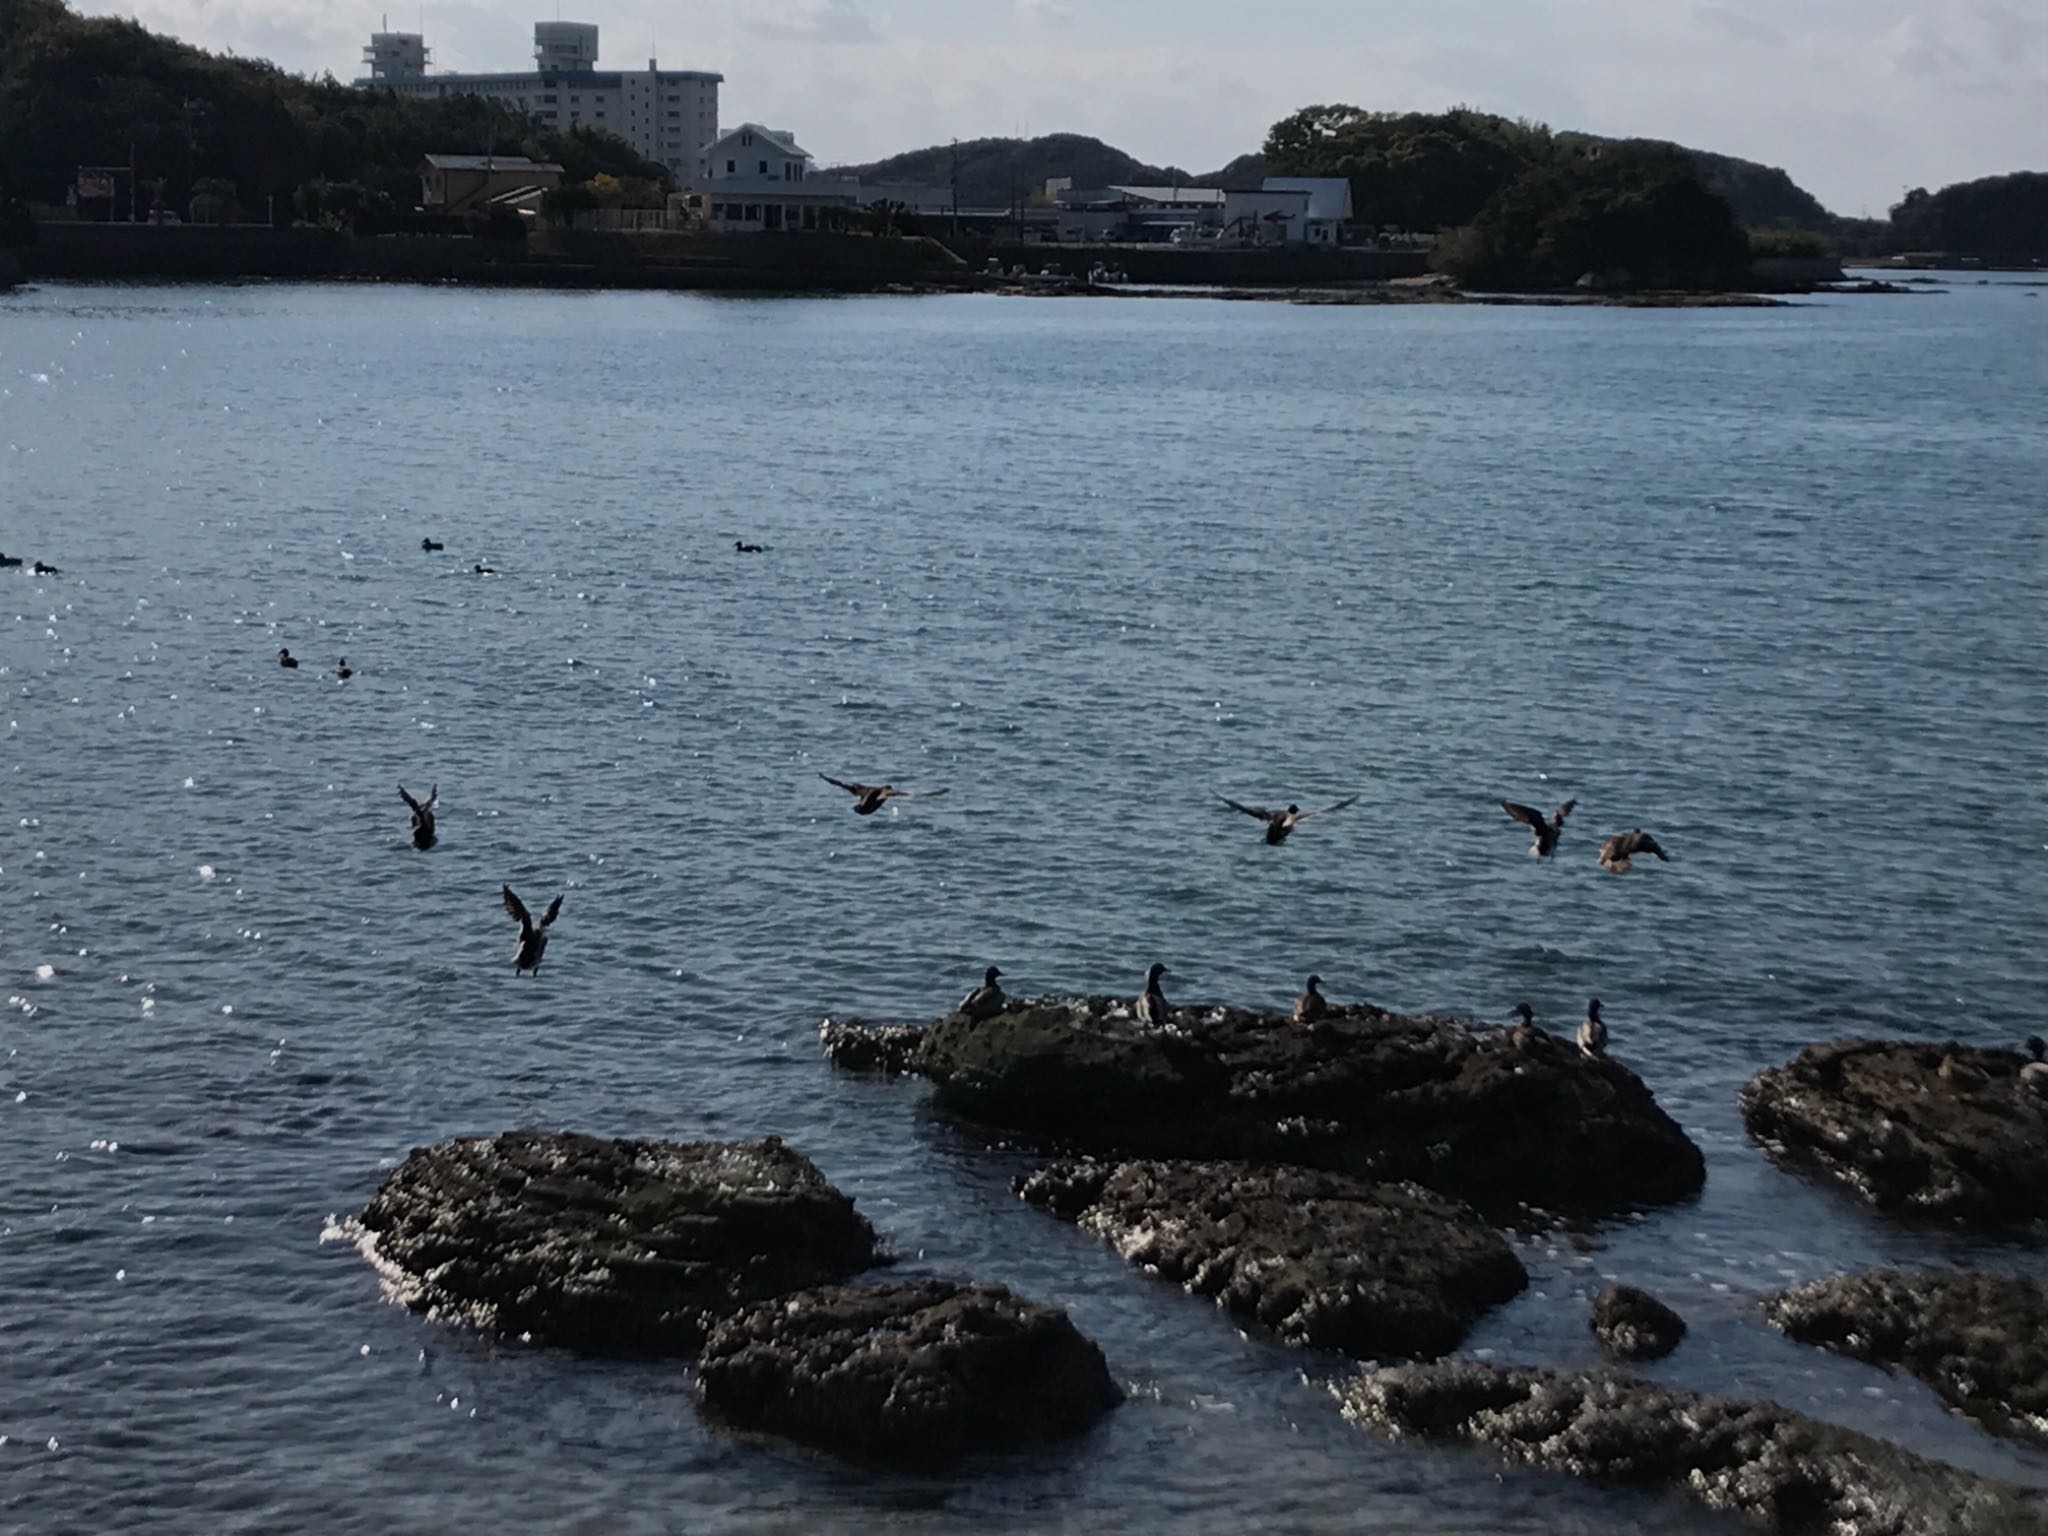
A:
[956,189]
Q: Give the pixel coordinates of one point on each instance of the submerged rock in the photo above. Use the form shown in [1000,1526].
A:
[1980,1341]
[854,1046]
[1363,1091]
[1883,1116]
[1385,1271]
[1781,1470]
[612,1247]
[922,1371]
[1636,1325]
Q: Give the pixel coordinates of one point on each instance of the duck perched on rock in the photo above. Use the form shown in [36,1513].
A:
[1524,1033]
[1153,1008]
[986,1000]
[1593,1033]
[1311,1005]
[1619,849]
[1281,824]
[1545,829]
[2034,1074]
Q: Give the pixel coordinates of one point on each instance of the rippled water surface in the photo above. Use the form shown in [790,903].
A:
[1768,583]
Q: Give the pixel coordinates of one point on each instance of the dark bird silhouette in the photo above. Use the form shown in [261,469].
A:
[1524,1033]
[430,545]
[9,560]
[741,546]
[1311,1005]
[2034,1074]
[287,660]
[1593,1033]
[45,570]
[986,1000]
[870,798]
[422,817]
[533,937]
[344,671]
[1152,1005]
[483,570]
[1546,830]
[1281,823]
[1618,850]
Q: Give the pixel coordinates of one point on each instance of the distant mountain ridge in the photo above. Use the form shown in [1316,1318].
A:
[994,173]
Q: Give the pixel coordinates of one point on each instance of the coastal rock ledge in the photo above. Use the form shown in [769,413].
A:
[630,1248]
[1373,1094]
[1780,1470]
[1967,1144]
[922,1371]
[1380,1271]
[1980,1341]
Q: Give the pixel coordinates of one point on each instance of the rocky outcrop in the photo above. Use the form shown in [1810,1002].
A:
[922,1371]
[1382,1271]
[1364,1092]
[1980,1341]
[1781,1470]
[1636,1325]
[854,1046]
[613,1247]
[1961,1141]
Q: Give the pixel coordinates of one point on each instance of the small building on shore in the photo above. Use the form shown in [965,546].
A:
[760,180]
[452,184]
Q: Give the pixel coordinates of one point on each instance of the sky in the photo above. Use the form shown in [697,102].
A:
[1858,99]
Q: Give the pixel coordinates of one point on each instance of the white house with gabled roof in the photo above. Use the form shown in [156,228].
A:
[759,179]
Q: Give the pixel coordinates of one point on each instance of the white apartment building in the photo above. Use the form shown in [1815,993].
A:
[668,115]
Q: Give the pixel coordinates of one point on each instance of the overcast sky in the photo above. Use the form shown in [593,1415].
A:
[1858,99]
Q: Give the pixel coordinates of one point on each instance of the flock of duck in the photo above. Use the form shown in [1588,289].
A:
[1616,855]
[11,562]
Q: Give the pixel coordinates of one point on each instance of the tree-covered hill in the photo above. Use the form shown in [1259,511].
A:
[995,173]
[1999,217]
[79,90]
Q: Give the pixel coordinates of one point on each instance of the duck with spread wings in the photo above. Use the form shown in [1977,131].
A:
[533,937]
[870,798]
[1280,824]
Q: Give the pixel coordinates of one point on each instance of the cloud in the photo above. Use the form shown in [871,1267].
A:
[1740,25]
[1054,15]
[818,21]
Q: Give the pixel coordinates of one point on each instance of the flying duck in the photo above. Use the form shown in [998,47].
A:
[1546,830]
[45,570]
[1619,849]
[986,1000]
[287,660]
[344,671]
[7,560]
[1152,1005]
[533,937]
[422,817]
[430,545]
[870,798]
[2034,1074]
[741,546]
[1280,823]
[1311,1005]
[1523,1033]
[1593,1033]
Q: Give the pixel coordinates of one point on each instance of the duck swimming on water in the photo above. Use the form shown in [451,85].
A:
[533,937]
[742,547]
[422,817]
[344,671]
[1618,850]
[1593,1033]
[483,570]
[1311,1005]
[430,545]
[286,659]
[1152,1004]
[45,570]
[1279,824]
[986,1000]
[8,560]
[1547,830]
[870,798]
